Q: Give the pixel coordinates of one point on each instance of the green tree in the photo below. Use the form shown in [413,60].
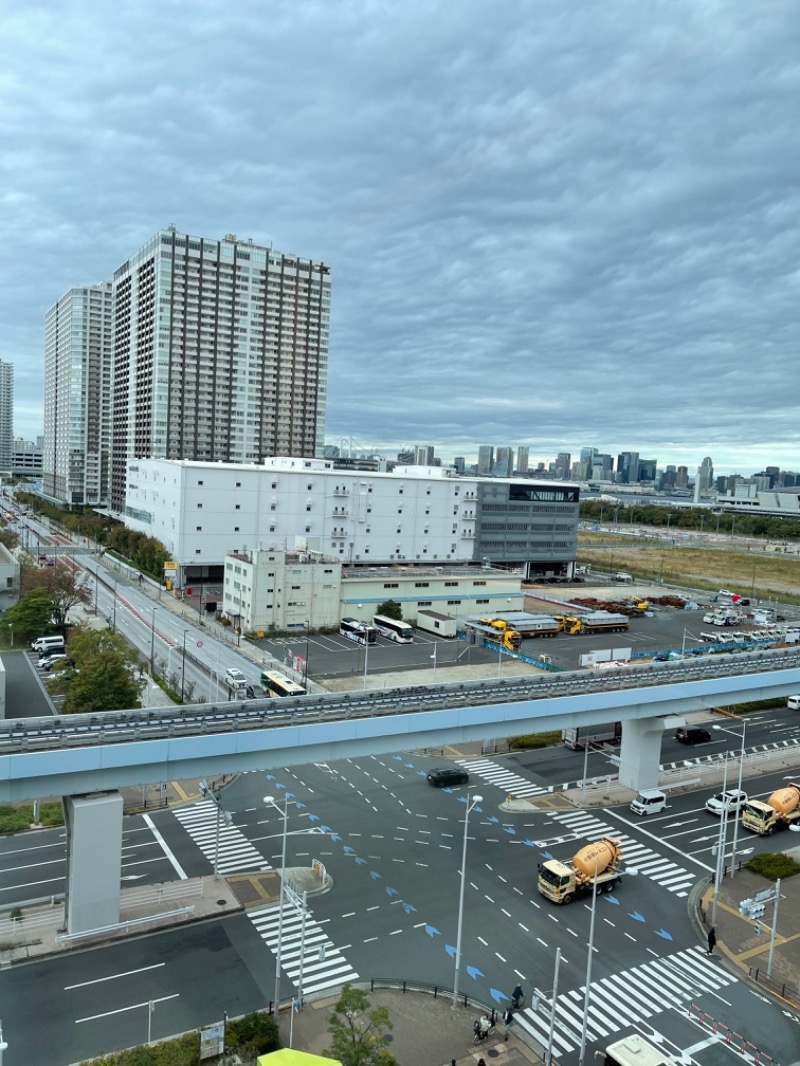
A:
[391,609]
[29,617]
[63,586]
[107,676]
[358,1031]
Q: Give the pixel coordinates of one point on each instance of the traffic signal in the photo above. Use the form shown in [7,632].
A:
[757,928]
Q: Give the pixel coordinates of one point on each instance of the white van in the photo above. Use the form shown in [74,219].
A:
[649,801]
[793,703]
[45,644]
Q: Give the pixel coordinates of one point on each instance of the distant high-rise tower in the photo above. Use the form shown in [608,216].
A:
[78,351]
[563,465]
[485,459]
[705,477]
[220,353]
[628,468]
[586,460]
[522,460]
[503,462]
[6,415]
[424,454]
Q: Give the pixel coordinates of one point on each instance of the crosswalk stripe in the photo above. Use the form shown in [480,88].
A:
[498,775]
[236,853]
[318,974]
[648,862]
[625,998]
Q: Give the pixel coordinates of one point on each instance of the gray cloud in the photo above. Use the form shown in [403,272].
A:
[549,224]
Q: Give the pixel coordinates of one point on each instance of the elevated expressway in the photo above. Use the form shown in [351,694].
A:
[83,754]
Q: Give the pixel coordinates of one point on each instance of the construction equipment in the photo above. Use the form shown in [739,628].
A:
[595,864]
[593,622]
[497,632]
[782,808]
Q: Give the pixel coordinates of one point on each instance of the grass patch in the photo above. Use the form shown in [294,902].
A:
[535,740]
[17,819]
[773,867]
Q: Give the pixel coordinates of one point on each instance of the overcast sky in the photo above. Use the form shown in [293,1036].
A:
[553,224]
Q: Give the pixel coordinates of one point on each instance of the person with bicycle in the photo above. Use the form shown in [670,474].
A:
[517,997]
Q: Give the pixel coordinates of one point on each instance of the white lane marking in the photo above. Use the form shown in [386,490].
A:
[114,976]
[122,1010]
[167,851]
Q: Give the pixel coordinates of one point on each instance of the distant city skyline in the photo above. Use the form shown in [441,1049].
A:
[545,227]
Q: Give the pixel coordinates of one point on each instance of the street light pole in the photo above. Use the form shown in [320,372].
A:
[270,801]
[472,803]
[435,646]
[308,634]
[548,1055]
[366,657]
[587,993]
[152,640]
[183,662]
[735,841]
[3,1044]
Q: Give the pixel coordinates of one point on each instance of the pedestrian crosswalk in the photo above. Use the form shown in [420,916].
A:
[495,774]
[624,999]
[236,853]
[323,965]
[648,862]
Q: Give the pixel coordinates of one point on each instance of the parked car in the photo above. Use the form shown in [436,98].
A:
[49,661]
[732,798]
[793,703]
[692,734]
[447,776]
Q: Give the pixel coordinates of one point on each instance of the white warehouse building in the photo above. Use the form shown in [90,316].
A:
[416,516]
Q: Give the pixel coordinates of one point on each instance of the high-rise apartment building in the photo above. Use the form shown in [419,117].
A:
[503,462]
[485,459]
[6,416]
[563,465]
[78,347]
[523,454]
[220,353]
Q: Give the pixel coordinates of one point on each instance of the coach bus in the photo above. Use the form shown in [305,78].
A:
[273,684]
[390,628]
[361,632]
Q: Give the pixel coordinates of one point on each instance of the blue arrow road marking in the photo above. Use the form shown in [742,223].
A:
[493,820]
[325,828]
[511,831]
[269,777]
[663,934]
[335,836]
[611,899]
[528,843]
[636,916]
[451,951]
[348,850]
[314,818]
[432,931]
[392,891]
[409,909]
[301,806]
[375,875]
[397,758]
[474,972]
[497,995]
[360,862]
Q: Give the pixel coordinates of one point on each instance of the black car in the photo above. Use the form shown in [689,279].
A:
[692,735]
[447,776]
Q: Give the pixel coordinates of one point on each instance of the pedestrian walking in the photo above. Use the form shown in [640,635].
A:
[712,939]
[516,997]
[508,1017]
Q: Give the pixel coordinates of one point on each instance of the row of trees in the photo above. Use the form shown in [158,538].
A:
[691,518]
[146,553]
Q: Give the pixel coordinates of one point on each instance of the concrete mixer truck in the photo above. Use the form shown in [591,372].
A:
[781,808]
[596,863]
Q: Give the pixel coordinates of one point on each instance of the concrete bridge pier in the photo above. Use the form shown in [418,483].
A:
[640,751]
[94,861]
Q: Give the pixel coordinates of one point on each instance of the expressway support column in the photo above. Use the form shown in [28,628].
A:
[94,861]
[640,751]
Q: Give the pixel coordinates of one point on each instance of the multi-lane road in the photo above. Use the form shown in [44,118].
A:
[393,846]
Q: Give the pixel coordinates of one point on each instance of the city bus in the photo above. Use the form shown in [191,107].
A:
[358,631]
[273,684]
[634,1050]
[390,628]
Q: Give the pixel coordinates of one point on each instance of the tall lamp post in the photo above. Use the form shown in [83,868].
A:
[434,662]
[152,640]
[739,786]
[472,803]
[587,992]
[270,802]
[183,662]
[366,657]
[215,795]
[3,1044]
[308,634]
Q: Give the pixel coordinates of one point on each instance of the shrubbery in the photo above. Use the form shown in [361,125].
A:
[18,819]
[772,867]
[534,740]
[254,1034]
